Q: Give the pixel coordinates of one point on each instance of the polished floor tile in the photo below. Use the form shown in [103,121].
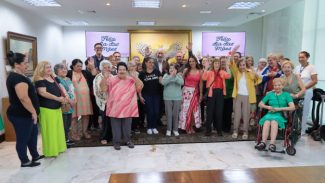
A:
[96,164]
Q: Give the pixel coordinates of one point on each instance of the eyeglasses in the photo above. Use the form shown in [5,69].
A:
[98,48]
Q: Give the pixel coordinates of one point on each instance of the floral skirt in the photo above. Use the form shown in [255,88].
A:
[190,106]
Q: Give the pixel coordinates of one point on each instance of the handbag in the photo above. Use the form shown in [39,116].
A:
[65,107]
[205,96]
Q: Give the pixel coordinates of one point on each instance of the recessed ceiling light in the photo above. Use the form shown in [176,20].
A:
[205,12]
[146,3]
[108,4]
[245,5]
[263,11]
[42,2]
[146,23]
[76,23]
[184,6]
[211,23]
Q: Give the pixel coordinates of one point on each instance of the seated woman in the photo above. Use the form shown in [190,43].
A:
[275,102]
[293,83]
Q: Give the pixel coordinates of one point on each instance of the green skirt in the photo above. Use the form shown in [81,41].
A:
[2,129]
[52,130]
[274,116]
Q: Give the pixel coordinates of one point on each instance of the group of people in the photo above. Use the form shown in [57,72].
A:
[117,97]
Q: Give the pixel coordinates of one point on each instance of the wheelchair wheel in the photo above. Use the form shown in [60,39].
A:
[291,150]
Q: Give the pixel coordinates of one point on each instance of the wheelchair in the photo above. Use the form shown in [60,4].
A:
[292,131]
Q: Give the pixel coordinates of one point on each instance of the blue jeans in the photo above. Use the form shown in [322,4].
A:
[152,104]
[26,136]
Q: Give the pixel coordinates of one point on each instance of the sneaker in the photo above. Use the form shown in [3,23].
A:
[30,164]
[70,142]
[234,135]
[245,136]
[155,131]
[137,131]
[130,144]
[117,146]
[38,158]
[168,133]
[149,131]
[176,133]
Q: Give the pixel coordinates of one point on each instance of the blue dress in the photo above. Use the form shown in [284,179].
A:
[274,100]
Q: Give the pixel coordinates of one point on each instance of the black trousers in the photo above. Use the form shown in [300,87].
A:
[227,112]
[93,119]
[106,133]
[215,110]
[137,122]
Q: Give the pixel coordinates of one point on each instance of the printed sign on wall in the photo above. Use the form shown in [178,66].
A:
[221,43]
[112,41]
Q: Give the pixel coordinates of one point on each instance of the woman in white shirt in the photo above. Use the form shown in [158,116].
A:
[308,75]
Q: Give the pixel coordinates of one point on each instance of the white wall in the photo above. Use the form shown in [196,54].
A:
[314,36]
[74,37]
[49,36]
[282,31]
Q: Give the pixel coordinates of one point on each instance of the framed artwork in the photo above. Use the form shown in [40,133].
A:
[24,44]
[171,41]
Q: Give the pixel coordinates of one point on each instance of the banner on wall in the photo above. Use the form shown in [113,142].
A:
[221,43]
[111,41]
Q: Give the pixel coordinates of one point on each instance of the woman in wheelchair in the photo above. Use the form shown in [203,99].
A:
[276,102]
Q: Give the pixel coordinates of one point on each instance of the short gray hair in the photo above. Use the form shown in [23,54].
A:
[58,67]
[105,62]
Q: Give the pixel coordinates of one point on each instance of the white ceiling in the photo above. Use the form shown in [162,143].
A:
[121,13]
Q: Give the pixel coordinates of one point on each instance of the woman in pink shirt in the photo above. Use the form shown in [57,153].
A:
[122,103]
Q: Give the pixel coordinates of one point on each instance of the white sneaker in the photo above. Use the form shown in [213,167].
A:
[168,133]
[149,131]
[155,131]
[176,133]
[234,135]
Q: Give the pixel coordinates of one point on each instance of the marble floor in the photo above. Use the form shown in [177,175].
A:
[96,164]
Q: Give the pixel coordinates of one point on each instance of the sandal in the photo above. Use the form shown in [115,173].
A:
[260,146]
[87,136]
[272,148]
[103,142]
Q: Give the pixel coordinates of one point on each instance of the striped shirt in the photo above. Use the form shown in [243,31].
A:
[122,98]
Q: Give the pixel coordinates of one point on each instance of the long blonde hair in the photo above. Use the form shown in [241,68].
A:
[40,71]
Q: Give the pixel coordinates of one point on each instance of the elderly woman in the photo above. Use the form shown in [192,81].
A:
[293,83]
[308,75]
[23,109]
[101,100]
[51,121]
[81,80]
[121,103]
[61,71]
[275,102]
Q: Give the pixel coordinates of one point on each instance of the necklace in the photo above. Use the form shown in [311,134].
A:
[302,68]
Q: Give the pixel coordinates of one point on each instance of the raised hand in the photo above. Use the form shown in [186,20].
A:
[189,46]
[147,51]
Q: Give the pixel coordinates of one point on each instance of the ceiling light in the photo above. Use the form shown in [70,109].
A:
[211,23]
[76,23]
[146,3]
[42,2]
[184,6]
[108,4]
[263,11]
[205,12]
[245,5]
[145,23]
